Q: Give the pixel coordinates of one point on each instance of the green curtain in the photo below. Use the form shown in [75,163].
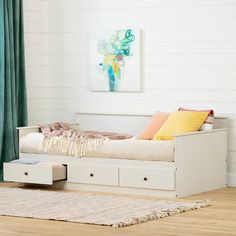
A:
[13,107]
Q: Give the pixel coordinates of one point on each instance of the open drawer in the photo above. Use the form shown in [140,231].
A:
[37,173]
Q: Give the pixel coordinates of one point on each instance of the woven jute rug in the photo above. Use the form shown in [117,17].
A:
[107,210]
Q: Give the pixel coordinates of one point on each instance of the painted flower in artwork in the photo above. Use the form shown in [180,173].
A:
[114,51]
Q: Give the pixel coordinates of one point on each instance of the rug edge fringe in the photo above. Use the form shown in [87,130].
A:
[162,213]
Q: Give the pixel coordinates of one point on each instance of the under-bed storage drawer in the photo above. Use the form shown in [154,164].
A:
[40,173]
[91,174]
[152,178]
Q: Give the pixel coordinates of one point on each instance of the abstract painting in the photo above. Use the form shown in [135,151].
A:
[115,60]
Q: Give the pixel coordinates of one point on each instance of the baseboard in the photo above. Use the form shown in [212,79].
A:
[231,180]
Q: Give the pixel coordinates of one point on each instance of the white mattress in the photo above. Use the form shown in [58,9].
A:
[131,149]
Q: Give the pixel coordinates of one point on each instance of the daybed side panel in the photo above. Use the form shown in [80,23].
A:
[200,162]
[220,159]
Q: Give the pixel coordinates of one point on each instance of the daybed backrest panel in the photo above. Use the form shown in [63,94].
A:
[130,124]
[124,123]
[220,122]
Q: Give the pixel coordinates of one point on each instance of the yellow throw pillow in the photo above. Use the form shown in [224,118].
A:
[180,122]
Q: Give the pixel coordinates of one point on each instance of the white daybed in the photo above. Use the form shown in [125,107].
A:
[198,165]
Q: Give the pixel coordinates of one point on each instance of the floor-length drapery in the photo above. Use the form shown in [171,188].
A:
[13,107]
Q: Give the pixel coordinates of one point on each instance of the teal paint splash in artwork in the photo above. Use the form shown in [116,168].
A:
[114,52]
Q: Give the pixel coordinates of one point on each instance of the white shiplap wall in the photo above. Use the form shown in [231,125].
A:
[189,58]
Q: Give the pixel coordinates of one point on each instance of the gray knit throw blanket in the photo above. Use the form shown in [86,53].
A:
[60,136]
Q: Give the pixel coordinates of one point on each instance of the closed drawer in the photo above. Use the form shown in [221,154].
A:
[91,174]
[163,179]
[40,173]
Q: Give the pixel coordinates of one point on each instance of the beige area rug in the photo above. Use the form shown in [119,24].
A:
[109,210]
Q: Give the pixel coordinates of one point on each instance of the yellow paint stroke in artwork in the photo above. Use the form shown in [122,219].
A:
[108,59]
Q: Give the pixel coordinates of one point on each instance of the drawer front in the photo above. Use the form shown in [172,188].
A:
[163,179]
[33,173]
[91,174]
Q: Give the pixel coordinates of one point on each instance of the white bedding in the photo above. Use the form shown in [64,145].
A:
[132,149]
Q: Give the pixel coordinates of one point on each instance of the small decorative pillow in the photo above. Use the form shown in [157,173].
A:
[153,127]
[45,128]
[208,123]
[59,125]
[64,126]
[55,126]
[180,122]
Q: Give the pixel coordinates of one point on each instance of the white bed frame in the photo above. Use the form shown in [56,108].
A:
[199,166]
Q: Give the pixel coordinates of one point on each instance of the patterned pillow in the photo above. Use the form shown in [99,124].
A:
[208,123]
[180,122]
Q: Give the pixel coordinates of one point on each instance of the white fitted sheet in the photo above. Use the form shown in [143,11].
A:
[132,149]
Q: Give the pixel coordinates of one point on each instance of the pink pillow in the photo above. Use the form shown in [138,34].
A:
[154,125]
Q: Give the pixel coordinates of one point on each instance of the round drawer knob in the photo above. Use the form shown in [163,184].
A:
[26,173]
[145,178]
[91,174]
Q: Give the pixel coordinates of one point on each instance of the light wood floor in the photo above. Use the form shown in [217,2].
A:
[218,219]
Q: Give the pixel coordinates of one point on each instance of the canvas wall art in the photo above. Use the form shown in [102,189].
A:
[115,60]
